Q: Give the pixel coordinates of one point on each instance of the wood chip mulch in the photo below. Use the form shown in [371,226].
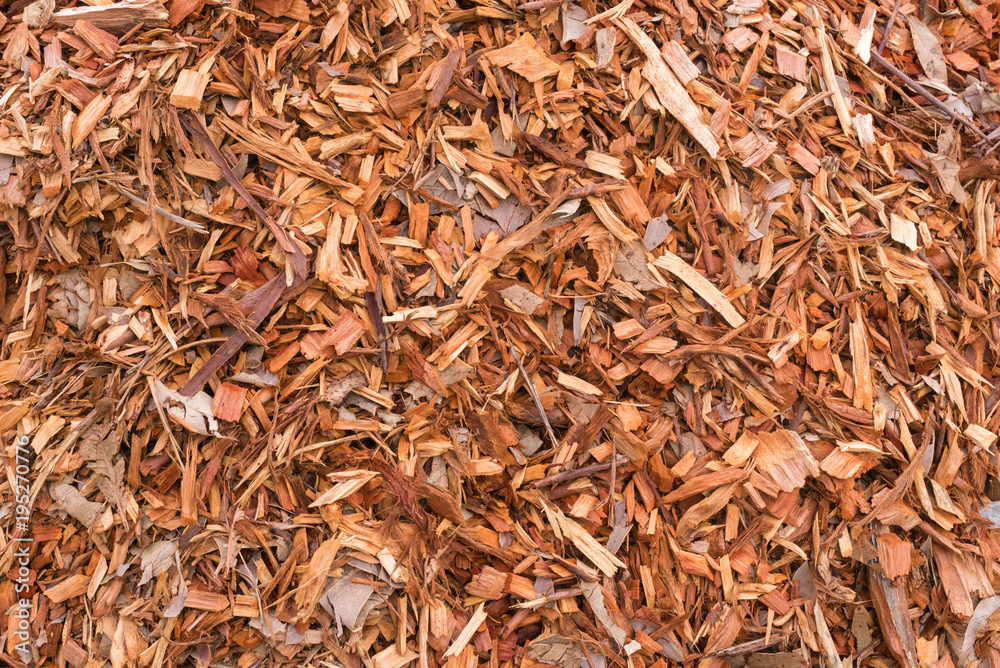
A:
[480,334]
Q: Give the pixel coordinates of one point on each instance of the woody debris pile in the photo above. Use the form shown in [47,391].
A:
[470,333]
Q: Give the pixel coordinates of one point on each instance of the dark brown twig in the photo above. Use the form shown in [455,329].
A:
[198,130]
[927,95]
[937,275]
[581,472]
[266,297]
[534,396]
[888,28]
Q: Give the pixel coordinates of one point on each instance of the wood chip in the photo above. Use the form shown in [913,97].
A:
[701,286]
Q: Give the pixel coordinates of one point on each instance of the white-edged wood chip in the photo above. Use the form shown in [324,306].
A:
[711,294]
[672,94]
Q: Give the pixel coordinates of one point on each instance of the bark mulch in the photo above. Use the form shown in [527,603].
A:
[471,333]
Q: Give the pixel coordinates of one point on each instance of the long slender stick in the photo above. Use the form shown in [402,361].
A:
[581,472]
[534,395]
[888,28]
[927,95]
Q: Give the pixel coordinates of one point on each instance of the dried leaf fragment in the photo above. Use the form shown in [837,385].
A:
[194,412]
[928,49]
[69,499]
